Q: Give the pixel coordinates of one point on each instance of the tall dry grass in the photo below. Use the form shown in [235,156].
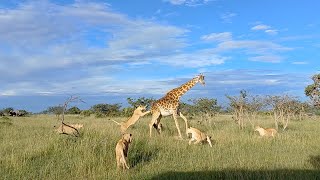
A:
[30,149]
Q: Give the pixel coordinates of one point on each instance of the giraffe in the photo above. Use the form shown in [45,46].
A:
[169,105]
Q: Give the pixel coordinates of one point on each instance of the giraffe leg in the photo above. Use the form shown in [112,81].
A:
[177,124]
[154,119]
[158,125]
[185,120]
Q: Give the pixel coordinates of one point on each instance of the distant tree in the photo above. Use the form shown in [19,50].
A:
[140,101]
[283,109]
[102,110]
[23,112]
[57,110]
[254,104]
[73,110]
[206,107]
[313,90]
[7,110]
[188,109]
[239,107]
[86,113]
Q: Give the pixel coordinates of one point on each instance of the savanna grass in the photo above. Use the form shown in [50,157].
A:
[30,149]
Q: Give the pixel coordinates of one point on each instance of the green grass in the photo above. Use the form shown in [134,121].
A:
[30,149]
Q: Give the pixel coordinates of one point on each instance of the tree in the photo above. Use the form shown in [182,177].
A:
[283,109]
[206,107]
[254,105]
[7,110]
[73,110]
[189,108]
[57,110]
[86,113]
[140,101]
[313,90]
[102,110]
[239,107]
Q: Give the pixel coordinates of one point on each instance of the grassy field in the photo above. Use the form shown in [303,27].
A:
[30,149]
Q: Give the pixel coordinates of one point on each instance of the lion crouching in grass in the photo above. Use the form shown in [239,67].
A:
[69,129]
[122,148]
[268,132]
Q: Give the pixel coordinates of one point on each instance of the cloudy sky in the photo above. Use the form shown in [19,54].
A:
[106,51]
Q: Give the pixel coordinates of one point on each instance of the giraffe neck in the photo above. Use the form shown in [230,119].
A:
[184,88]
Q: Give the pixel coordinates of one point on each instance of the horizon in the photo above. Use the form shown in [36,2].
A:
[107,51]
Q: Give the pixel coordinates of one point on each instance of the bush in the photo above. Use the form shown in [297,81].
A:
[86,113]
[74,110]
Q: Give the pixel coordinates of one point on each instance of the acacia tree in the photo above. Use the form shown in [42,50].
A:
[239,107]
[283,109]
[205,107]
[73,110]
[103,110]
[57,110]
[254,104]
[313,90]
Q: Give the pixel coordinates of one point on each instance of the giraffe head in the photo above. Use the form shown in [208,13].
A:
[200,79]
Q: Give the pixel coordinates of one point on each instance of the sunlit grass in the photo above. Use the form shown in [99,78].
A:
[30,149]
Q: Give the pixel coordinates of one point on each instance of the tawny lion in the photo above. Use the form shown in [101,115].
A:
[133,119]
[69,129]
[269,132]
[199,136]
[122,148]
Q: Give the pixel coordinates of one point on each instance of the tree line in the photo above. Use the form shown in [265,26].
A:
[244,107]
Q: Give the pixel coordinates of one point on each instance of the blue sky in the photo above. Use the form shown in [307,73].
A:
[106,51]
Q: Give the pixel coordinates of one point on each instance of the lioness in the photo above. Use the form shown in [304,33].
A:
[266,132]
[199,136]
[122,150]
[69,129]
[138,112]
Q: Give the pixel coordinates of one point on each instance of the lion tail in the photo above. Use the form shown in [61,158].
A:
[116,122]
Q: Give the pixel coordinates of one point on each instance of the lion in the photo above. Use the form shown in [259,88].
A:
[199,136]
[122,148]
[69,129]
[269,132]
[138,112]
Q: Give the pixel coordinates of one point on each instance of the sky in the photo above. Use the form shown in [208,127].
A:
[107,51]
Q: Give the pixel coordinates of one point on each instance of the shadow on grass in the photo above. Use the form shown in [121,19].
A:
[242,174]
[315,161]
[140,152]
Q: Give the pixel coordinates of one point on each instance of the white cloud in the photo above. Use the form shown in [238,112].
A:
[188,2]
[271,31]
[225,36]
[267,58]
[43,35]
[196,59]
[262,51]
[300,62]
[260,27]
[251,46]
[267,29]
[227,17]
